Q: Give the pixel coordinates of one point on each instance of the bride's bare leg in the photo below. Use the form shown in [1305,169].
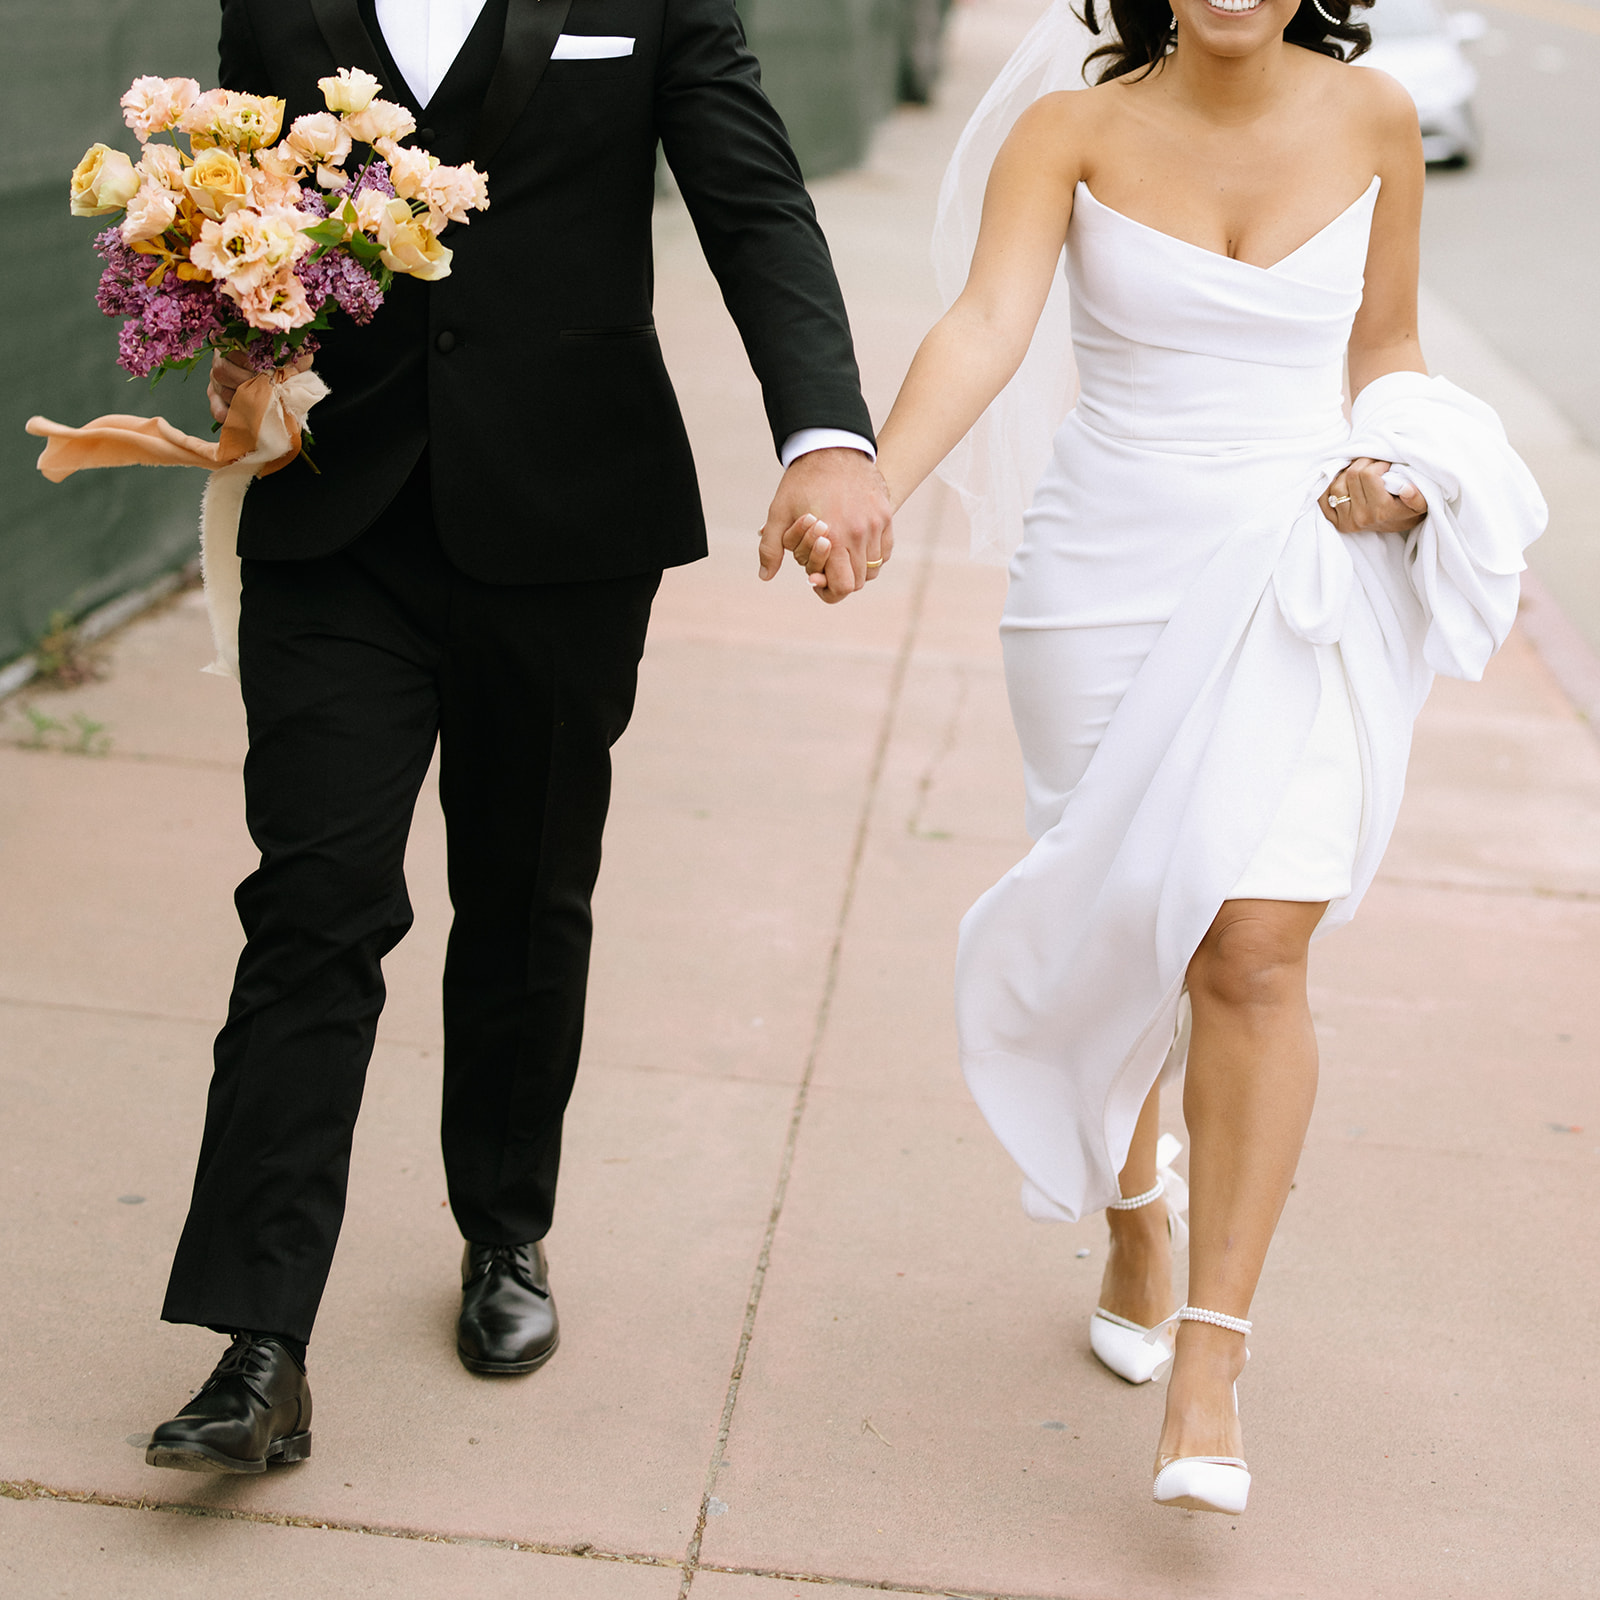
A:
[1138,1276]
[1247,1099]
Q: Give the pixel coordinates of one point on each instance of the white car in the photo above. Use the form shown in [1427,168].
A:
[1419,43]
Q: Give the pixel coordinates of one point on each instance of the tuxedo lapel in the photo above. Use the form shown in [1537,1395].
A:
[341,26]
[532,28]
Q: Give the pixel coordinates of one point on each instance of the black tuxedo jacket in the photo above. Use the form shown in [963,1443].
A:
[532,374]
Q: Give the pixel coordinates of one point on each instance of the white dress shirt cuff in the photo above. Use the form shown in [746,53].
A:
[809,439]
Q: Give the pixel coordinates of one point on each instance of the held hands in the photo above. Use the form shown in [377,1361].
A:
[832,512]
[226,376]
[1357,502]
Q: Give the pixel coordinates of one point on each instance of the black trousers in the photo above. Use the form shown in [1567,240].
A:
[352,666]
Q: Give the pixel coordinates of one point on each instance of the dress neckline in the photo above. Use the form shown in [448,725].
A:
[1216,255]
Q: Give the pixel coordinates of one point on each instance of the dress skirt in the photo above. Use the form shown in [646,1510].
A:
[1065,685]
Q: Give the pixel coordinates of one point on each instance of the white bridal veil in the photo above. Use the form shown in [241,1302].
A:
[996,468]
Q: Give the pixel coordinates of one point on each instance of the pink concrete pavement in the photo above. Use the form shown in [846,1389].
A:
[809,1337]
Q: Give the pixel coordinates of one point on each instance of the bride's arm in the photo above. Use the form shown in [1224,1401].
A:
[976,347]
[1384,336]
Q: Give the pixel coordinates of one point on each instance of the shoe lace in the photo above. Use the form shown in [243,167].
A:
[245,1358]
[516,1260]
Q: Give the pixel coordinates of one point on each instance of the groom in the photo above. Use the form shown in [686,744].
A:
[502,477]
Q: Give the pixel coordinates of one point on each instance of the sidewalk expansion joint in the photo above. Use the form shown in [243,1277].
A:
[869,798]
[875,1586]
[27,1489]
[1516,891]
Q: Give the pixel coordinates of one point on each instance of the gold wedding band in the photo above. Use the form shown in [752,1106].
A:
[872,564]
[1335,501]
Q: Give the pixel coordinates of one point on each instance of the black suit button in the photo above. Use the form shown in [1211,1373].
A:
[445,343]
[425,137]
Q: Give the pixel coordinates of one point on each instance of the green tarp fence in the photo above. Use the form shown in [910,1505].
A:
[834,67]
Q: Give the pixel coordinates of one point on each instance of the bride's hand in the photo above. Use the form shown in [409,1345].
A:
[1357,502]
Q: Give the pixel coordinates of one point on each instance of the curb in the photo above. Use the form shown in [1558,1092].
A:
[1563,649]
[101,621]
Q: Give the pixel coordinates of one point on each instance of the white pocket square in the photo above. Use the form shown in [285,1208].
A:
[591,47]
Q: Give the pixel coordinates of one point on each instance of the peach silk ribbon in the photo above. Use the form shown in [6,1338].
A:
[262,435]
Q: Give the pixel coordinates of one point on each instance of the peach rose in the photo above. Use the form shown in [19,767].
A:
[103,182]
[410,246]
[150,213]
[217,183]
[278,304]
[451,192]
[247,248]
[351,91]
[319,140]
[153,105]
[383,119]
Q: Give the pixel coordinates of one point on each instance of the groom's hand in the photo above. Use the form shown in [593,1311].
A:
[832,511]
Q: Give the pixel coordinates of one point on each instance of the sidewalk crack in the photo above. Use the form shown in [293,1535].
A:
[869,799]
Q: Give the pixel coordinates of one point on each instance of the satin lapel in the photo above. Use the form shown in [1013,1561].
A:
[347,37]
[532,28]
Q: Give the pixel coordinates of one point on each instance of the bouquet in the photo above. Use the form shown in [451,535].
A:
[248,244]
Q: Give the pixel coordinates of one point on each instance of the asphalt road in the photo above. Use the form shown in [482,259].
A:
[1513,243]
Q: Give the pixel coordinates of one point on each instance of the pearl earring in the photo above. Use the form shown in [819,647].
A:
[1323,12]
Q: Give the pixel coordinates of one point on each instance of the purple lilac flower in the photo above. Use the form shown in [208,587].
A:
[339,277]
[168,322]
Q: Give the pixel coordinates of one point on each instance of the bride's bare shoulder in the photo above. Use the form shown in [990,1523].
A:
[1369,96]
[1066,122]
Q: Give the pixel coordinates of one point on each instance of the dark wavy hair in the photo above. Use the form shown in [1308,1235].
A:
[1142,29]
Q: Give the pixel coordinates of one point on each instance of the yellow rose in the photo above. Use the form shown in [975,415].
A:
[351,91]
[216,183]
[410,246]
[103,182]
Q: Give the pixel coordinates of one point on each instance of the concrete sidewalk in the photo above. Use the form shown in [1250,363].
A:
[809,1337]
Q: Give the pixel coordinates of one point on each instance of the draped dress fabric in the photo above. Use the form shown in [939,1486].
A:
[1213,689]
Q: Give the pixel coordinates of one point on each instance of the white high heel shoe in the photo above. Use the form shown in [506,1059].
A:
[1206,1483]
[1129,1349]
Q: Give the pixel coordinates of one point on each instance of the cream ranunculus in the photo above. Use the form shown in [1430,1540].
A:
[103,182]
[217,183]
[150,213]
[410,246]
[383,119]
[352,90]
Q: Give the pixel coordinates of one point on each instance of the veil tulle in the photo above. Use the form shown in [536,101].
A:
[996,468]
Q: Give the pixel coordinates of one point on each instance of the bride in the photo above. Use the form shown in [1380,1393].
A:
[1225,610]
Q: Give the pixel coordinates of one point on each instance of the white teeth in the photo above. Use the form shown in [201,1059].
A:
[1233,5]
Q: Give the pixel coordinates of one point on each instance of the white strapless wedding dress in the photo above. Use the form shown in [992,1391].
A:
[1213,689]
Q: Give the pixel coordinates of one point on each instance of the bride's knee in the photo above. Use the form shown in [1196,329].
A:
[1251,961]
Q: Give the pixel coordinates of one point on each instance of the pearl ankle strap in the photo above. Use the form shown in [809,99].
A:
[1219,1319]
[1134,1202]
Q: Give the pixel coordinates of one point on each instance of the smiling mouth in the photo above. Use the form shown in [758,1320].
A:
[1234,7]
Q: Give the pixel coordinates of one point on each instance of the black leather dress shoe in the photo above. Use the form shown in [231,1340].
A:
[254,1409]
[508,1320]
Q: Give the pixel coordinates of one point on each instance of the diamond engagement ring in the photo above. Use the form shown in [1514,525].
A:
[1337,500]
